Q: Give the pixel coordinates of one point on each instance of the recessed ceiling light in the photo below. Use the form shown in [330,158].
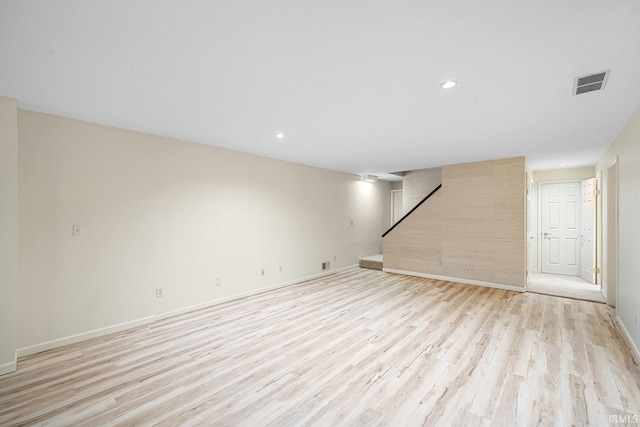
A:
[279,135]
[448,84]
[562,164]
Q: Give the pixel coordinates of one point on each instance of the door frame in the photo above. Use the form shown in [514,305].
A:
[530,229]
[538,231]
[399,190]
[609,263]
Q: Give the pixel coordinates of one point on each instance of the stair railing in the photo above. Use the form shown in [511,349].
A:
[412,210]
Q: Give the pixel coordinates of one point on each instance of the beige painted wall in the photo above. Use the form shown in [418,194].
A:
[416,185]
[626,149]
[472,229]
[568,174]
[8,233]
[158,212]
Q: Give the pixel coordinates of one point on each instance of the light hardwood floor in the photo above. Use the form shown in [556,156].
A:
[357,348]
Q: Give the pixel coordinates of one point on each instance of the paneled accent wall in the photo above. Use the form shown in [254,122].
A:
[472,229]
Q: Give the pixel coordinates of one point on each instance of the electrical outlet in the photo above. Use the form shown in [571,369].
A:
[281,269]
[76,230]
[218,281]
[468,267]
[335,257]
[262,271]
[158,292]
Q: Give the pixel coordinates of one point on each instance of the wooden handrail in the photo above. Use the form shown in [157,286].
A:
[411,211]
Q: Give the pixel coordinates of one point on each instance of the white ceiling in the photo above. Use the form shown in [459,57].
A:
[354,84]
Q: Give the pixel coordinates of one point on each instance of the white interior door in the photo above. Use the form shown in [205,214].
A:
[396,206]
[588,229]
[561,228]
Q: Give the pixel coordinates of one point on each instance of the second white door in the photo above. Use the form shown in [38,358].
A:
[561,228]
[396,206]
[587,237]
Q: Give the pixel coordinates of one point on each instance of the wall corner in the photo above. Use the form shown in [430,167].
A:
[8,233]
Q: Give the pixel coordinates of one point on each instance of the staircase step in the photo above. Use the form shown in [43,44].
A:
[374,262]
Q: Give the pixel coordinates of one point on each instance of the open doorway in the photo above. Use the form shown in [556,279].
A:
[396,206]
[565,238]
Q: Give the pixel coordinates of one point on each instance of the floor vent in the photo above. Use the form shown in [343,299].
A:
[590,82]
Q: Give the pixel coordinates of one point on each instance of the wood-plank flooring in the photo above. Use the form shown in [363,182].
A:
[357,348]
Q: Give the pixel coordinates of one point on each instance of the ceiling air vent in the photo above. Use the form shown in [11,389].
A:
[590,82]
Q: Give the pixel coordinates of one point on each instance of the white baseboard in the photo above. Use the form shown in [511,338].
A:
[457,280]
[627,338]
[248,294]
[48,345]
[7,368]
[604,296]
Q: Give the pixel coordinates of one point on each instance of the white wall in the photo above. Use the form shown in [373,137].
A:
[157,212]
[8,233]
[566,174]
[627,149]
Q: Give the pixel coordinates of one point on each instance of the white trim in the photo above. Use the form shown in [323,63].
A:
[248,294]
[457,279]
[71,339]
[616,231]
[599,229]
[48,345]
[627,338]
[7,368]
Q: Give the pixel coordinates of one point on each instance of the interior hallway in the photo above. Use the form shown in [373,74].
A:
[565,286]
